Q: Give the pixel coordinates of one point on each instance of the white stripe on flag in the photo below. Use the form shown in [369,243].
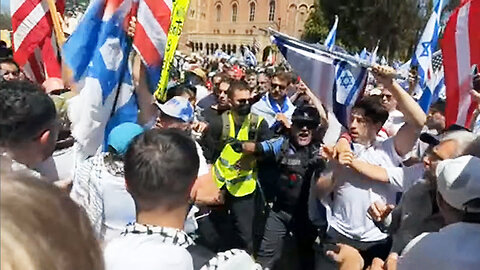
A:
[14,5]
[29,23]
[151,26]
[463,63]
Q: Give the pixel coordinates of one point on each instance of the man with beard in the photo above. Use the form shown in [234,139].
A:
[417,211]
[297,159]
[235,170]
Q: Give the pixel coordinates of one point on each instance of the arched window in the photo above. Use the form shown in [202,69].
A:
[234,12]
[271,12]
[219,13]
[252,12]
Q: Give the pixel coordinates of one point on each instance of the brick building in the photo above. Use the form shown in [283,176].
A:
[228,24]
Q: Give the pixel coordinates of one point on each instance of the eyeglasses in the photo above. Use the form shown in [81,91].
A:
[6,72]
[386,96]
[305,123]
[281,87]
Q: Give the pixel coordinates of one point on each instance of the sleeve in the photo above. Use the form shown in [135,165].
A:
[203,166]
[264,132]
[388,147]
[402,178]
[272,147]
[211,143]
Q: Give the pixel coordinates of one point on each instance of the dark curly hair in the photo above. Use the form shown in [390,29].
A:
[25,111]
[373,109]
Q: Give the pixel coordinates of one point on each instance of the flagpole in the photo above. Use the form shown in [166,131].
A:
[57,26]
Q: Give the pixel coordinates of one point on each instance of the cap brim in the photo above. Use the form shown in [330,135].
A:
[165,110]
[429,139]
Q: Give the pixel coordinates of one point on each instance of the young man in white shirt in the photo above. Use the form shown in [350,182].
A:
[347,191]
[160,168]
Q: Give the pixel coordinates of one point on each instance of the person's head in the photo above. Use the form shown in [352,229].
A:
[176,113]
[239,98]
[264,82]
[388,100]
[305,120]
[183,90]
[196,77]
[458,189]
[120,137]
[161,166]
[451,144]
[436,116]
[366,120]
[28,122]
[280,81]
[9,70]
[220,89]
[42,228]
[3,44]
[251,78]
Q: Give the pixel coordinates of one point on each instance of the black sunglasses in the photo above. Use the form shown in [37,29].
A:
[281,87]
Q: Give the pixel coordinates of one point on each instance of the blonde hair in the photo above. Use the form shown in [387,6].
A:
[42,228]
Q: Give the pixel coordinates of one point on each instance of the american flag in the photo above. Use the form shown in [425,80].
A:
[34,45]
[98,52]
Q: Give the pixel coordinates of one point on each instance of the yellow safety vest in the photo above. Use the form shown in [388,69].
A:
[227,170]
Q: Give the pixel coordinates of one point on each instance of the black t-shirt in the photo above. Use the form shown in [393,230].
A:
[212,143]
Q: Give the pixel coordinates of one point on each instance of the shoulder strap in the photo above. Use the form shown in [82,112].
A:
[254,123]
[225,127]
[200,256]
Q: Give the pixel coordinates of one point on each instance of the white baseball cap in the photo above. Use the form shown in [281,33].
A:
[458,181]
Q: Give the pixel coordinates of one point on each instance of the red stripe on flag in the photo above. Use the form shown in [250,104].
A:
[145,46]
[50,60]
[36,69]
[33,40]
[474,38]
[449,52]
[161,12]
[23,11]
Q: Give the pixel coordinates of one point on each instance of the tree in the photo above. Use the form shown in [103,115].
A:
[316,27]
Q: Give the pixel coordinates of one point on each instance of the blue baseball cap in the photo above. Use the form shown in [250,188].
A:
[121,136]
[178,107]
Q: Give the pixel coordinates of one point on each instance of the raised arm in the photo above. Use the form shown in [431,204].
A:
[414,116]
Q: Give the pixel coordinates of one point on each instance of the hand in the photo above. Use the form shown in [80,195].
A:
[379,210]
[475,95]
[132,26]
[248,147]
[283,119]
[384,74]
[199,127]
[390,264]
[345,158]
[347,257]
[328,152]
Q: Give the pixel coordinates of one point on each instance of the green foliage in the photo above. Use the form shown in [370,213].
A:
[316,27]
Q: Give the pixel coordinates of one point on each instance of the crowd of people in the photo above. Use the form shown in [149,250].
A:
[232,171]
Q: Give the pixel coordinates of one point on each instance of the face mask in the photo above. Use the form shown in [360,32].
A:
[243,109]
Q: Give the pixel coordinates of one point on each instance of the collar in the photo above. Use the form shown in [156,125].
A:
[170,235]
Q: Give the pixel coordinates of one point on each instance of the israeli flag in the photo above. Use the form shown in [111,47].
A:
[98,55]
[330,40]
[422,58]
[348,87]
[249,58]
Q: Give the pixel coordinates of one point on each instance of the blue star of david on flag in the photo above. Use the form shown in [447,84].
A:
[426,49]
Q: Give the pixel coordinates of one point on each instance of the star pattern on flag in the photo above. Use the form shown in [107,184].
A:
[346,80]
[426,49]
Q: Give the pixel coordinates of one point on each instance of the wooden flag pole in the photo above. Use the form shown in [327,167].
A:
[57,26]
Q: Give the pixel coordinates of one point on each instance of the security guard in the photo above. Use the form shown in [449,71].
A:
[297,157]
[234,171]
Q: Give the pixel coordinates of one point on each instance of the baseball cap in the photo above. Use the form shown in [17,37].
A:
[178,107]
[307,114]
[121,136]
[458,180]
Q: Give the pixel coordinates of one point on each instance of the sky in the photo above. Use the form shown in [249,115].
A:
[5,6]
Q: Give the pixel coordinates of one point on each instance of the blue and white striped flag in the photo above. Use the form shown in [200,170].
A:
[249,58]
[348,87]
[98,54]
[422,58]
[330,40]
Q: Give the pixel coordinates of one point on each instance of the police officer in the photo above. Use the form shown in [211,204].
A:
[297,158]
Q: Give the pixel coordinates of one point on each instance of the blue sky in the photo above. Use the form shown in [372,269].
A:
[5,6]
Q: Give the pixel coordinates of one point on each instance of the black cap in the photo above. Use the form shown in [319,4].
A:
[435,139]
[306,113]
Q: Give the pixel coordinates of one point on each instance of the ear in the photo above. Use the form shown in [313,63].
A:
[44,137]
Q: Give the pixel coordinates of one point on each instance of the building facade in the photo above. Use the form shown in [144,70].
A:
[228,24]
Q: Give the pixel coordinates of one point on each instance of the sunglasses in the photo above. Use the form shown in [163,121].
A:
[302,123]
[5,73]
[244,101]
[281,87]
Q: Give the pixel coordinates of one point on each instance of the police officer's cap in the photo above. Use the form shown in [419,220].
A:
[306,114]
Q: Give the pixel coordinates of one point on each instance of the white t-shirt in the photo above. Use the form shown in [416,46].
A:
[354,193]
[60,166]
[453,247]
[393,124]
